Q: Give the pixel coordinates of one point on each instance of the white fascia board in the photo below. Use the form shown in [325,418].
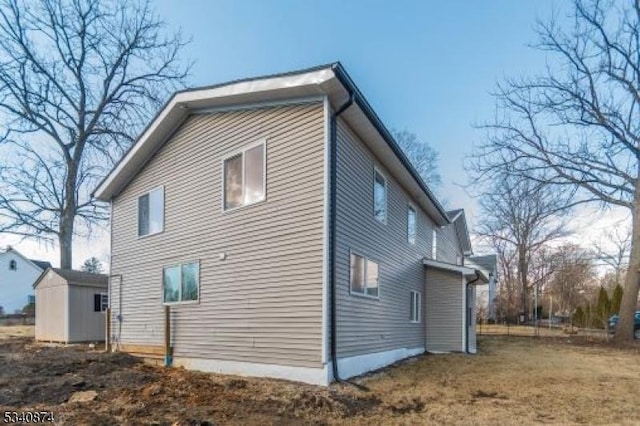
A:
[448,266]
[182,103]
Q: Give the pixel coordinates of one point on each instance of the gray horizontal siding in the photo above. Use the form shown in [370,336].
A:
[85,325]
[448,245]
[264,302]
[471,304]
[444,310]
[367,325]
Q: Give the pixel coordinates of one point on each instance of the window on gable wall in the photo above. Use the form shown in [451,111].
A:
[364,276]
[379,197]
[411,225]
[13,265]
[151,212]
[245,177]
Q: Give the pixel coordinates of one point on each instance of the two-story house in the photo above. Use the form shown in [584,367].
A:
[287,231]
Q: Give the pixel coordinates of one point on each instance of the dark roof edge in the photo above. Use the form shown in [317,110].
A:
[347,82]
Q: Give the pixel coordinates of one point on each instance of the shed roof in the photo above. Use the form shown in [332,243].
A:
[78,278]
[42,264]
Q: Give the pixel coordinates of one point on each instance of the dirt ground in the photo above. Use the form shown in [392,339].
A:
[513,380]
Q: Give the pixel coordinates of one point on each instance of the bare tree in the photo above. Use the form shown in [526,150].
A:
[573,277]
[78,78]
[520,216]
[423,157]
[616,253]
[578,124]
[507,306]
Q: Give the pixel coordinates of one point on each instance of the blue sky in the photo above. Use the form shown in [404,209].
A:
[425,66]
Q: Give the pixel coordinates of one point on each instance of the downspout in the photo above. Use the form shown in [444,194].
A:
[466,316]
[333,156]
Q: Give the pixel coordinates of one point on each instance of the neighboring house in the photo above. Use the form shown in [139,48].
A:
[17,275]
[70,306]
[486,295]
[285,228]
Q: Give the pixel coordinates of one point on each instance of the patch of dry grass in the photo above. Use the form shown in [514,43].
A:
[515,381]
[512,381]
[10,331]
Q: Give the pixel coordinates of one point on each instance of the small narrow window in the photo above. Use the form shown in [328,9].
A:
[379,197]
[151,212]
[244,177]
[181,283]
[411,225]
[434,245]
[364,276]
[13,265]
[100,302]
[415,307]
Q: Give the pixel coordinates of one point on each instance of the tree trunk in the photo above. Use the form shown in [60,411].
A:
[624,329]
[524,291]
[65,236]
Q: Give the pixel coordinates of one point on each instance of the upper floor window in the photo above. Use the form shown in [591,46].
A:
[379,196]
[13,265]
[245,177]
[411,225]
[415,308]
[434,244]
[181,283]
[151,212]
[364,276]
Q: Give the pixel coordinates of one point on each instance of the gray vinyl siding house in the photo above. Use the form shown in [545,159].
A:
[70,306]
[270,269]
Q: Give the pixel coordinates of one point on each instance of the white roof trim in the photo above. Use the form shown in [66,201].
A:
[174,112]
[329,80]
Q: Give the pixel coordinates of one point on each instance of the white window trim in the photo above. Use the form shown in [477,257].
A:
[411,206]
[242,151]
[364,294]
[164,210]
[418,295]
[102,296]
[180,302]
[386,195]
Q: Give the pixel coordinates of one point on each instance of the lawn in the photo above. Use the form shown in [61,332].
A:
[513,380]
